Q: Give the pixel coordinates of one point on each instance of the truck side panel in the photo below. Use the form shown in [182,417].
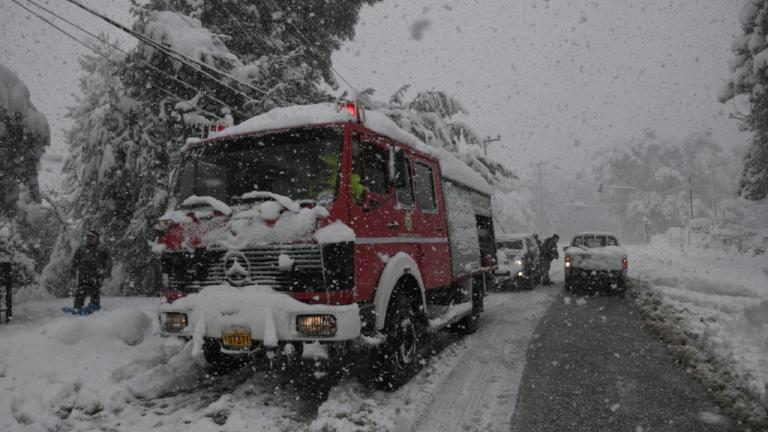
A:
[462,229]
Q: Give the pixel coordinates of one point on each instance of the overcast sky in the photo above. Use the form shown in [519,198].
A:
[558,79]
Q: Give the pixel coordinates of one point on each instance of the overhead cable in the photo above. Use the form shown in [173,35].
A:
[142,61]
[171,52]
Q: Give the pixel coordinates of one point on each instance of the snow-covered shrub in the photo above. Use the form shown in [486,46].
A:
[24,224]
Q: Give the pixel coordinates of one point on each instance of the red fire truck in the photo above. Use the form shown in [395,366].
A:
[315,231]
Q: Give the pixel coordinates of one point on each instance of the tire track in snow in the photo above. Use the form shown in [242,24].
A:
[480,391]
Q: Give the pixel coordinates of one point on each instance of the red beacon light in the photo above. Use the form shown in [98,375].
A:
[219,126]
[354,109]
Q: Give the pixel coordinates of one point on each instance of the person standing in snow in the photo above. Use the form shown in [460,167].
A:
[539,252]
[91,264]
[548,253]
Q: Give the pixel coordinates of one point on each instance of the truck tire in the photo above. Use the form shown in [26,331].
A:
[570,286]
[621,288]
[399,356]
[530,282]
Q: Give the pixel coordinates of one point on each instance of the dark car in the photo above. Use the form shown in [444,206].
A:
[518,261]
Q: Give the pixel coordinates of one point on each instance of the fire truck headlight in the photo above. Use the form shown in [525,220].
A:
[173,322]
[316,325]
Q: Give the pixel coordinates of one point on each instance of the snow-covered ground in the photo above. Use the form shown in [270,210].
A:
[113,371]
[721,297]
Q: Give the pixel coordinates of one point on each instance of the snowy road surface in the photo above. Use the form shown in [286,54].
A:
[112,371]
[594,367]
[591,366]
[479,393]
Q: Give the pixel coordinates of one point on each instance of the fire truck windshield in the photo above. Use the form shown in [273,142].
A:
[302,164]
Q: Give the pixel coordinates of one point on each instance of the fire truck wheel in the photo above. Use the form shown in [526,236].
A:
[399,357]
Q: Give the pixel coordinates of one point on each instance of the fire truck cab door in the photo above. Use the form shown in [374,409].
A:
[374,214]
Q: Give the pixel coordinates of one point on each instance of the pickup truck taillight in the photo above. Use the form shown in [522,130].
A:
[568,261]
[624,263]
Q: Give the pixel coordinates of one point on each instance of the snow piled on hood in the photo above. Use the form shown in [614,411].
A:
[278,220]
[265,224]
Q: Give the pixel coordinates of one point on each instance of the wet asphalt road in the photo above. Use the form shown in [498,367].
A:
[592,366]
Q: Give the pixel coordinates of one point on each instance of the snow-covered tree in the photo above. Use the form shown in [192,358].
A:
[24,135]
[432,117]
[238,58]
[749,77]
[97,192]
[649,178]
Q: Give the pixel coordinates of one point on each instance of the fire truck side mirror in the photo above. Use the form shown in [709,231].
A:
[399,174]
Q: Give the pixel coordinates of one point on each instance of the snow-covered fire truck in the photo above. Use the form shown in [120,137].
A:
[315,231]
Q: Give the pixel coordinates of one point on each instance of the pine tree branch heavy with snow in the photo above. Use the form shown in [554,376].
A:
[749,77]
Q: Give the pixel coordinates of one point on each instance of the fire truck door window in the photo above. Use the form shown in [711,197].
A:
[404,186]
[369,169]
[425,187]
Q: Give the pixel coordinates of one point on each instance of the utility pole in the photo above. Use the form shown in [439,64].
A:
[488,140]
[690,195]
[714,203]
[540,221]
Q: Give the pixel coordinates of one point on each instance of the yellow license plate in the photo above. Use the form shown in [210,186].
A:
[238,340]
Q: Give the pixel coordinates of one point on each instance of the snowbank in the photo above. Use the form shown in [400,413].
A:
[714,305]
[56,367]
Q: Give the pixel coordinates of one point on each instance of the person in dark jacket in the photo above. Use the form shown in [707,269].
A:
[548,253]
[91,264]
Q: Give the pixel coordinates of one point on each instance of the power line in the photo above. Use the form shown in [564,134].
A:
[173,53]
[62,30]
[116,47]
[101,54]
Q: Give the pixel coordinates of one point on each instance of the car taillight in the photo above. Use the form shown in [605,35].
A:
[567,261]
[624,263]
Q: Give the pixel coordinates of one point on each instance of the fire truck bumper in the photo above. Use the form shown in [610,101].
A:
[243,320]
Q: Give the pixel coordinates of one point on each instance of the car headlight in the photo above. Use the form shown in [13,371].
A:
[519,262]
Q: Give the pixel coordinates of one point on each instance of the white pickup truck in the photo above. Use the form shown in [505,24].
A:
[595,259]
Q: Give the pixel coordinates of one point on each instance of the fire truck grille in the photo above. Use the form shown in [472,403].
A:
[302,268]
